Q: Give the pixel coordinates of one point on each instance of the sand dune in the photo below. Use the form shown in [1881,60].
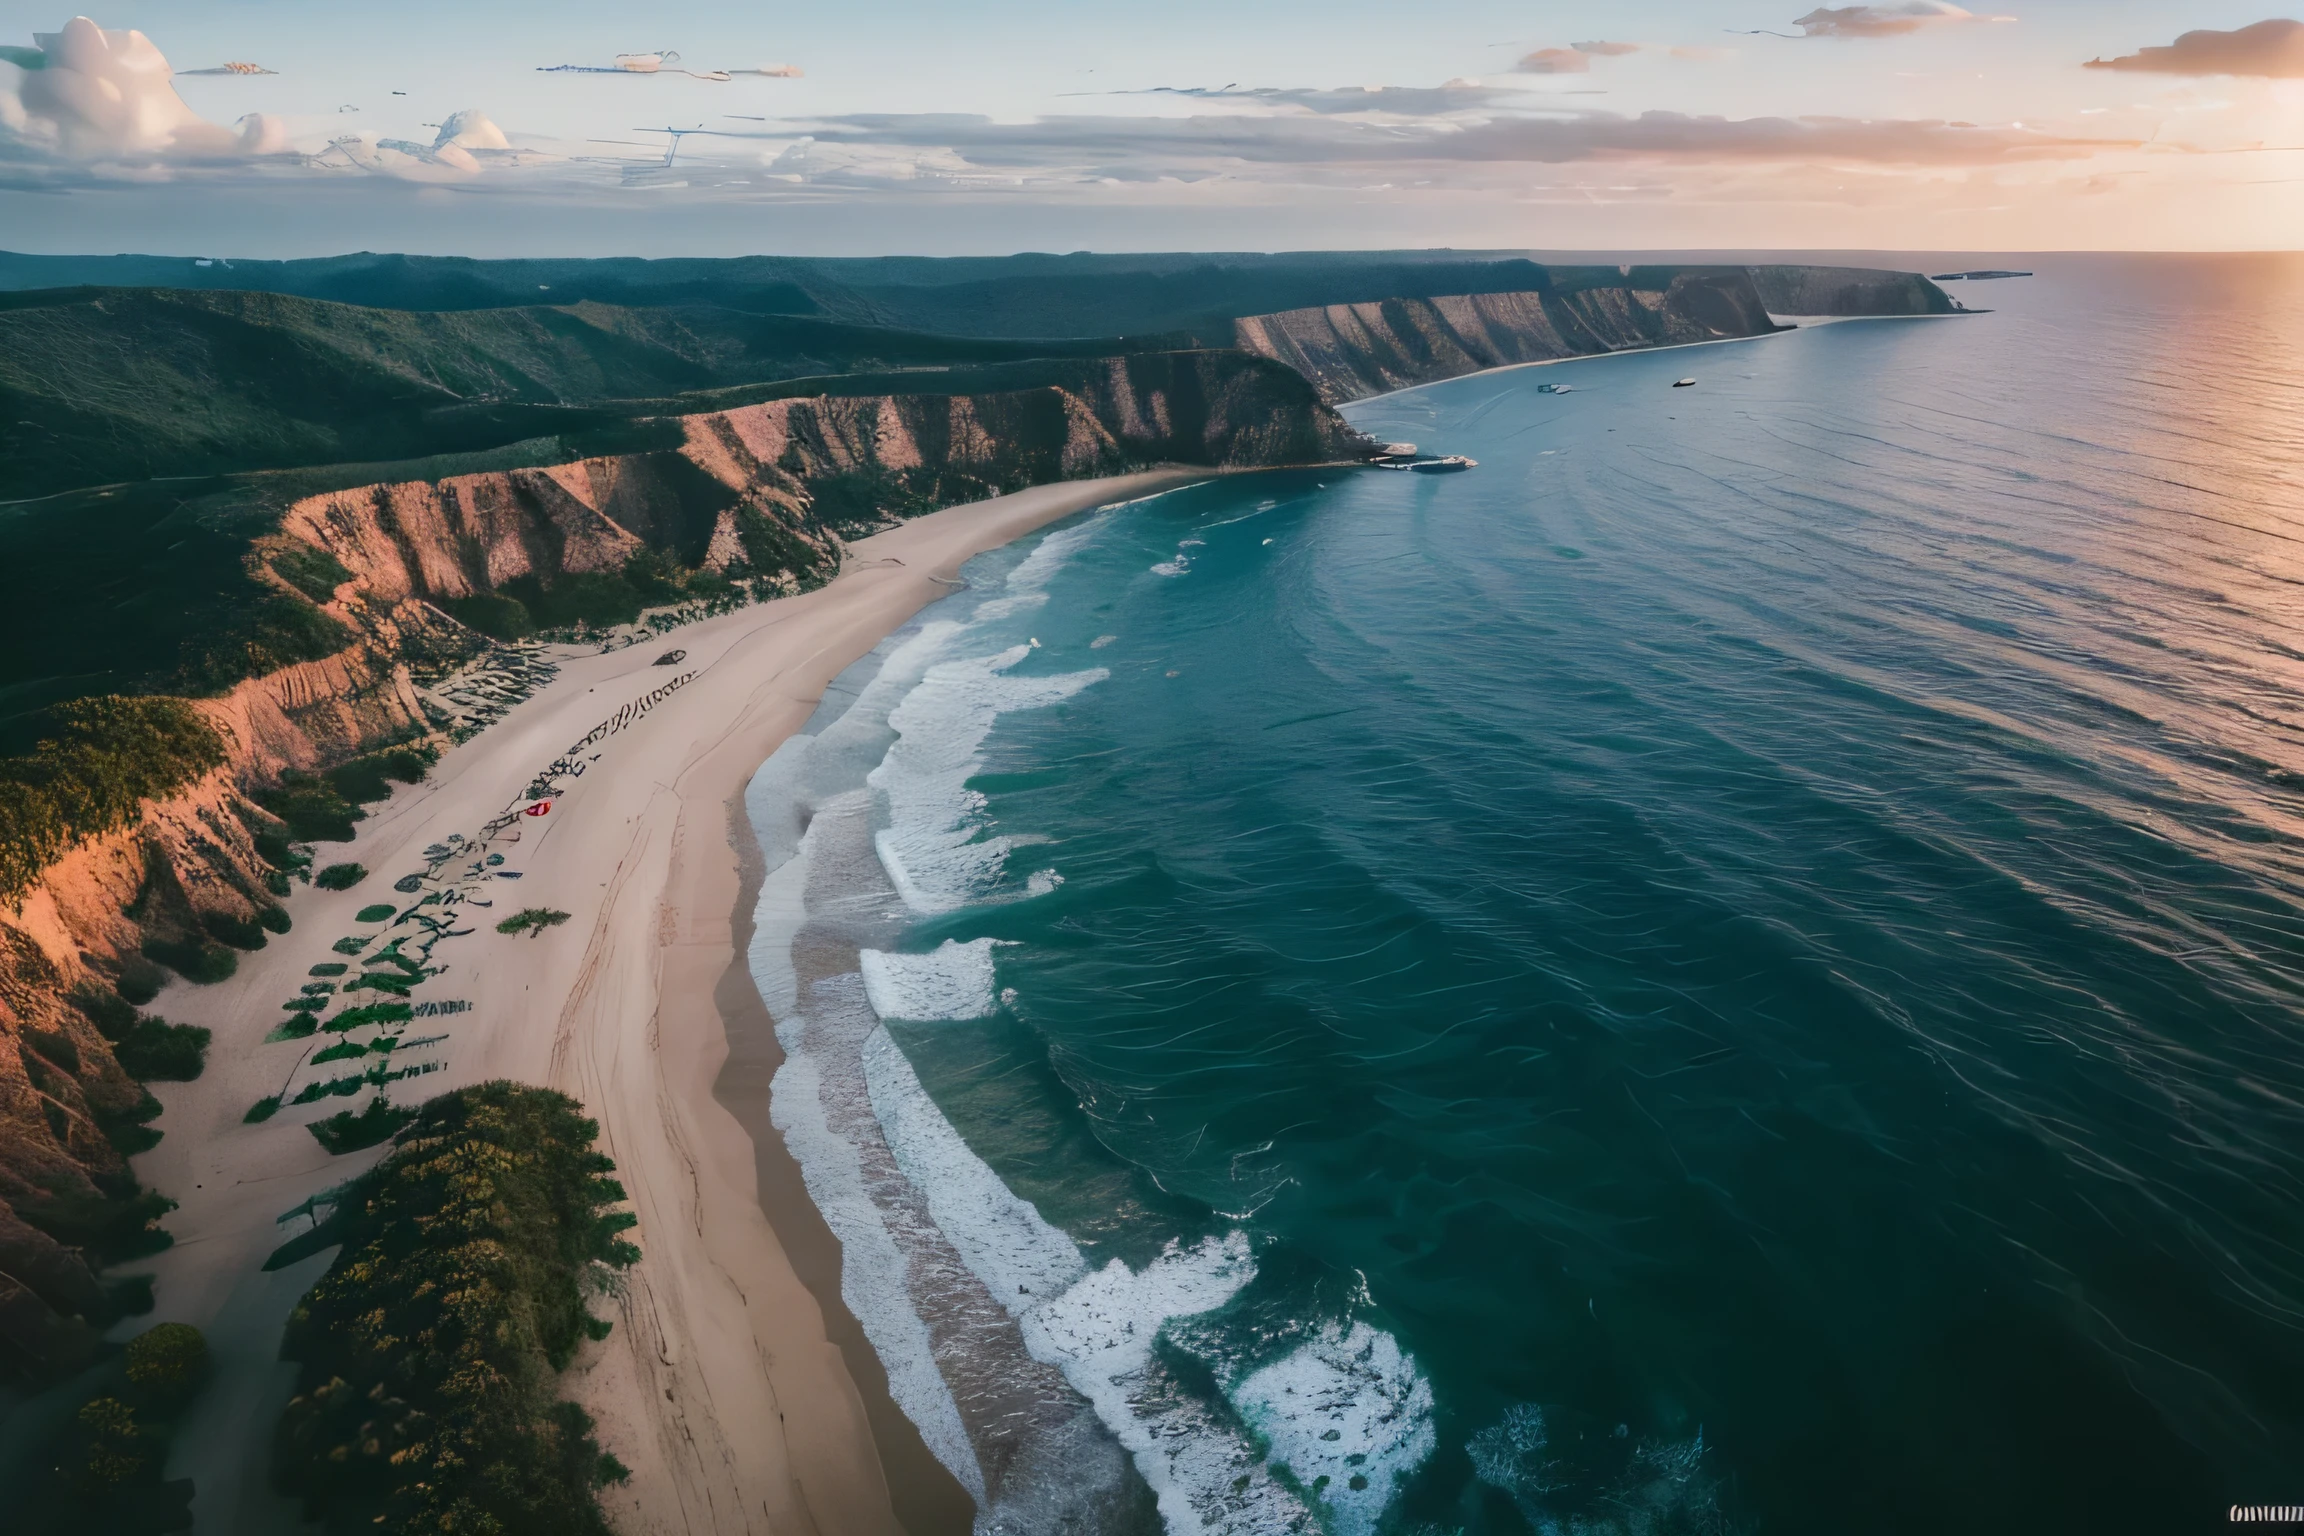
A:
[720,1386]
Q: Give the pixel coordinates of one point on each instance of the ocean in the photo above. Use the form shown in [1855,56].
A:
[1736,968]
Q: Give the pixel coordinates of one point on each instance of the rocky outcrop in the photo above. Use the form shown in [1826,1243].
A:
[1351,351]
[1796,290]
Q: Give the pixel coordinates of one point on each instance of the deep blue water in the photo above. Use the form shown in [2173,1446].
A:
[1737,967]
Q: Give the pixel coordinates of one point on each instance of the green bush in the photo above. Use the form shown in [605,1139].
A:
[426,1395]
[195,960]
[239,932]
[493,614]
[532,921]
[352,943]
[274,919]
[340,877]
[107,1010]
[262,1110]
[328,968]
[140,980]
[107,756]
[345,1131]
[313,810]
[170,1358]
[314,572]
[375,913]
[157,1051]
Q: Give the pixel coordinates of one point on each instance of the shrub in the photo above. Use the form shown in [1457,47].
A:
[170,1358]
[426,1395]
[328,968]
[139,980]
[314,572]
[313,810]
[274,919]
[493,614]
[239,932]
[375,913]
[262,1110]
[345,1131]
[351,944]
[195,960]
[107,1010]
[157,1051]
[340,877]
[532,921]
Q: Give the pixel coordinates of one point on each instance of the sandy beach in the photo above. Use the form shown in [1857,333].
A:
[733,1386]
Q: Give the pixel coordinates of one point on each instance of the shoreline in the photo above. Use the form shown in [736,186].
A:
[637,1008]
[1791,323]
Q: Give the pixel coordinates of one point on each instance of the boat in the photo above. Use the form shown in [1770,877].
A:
[1455,463]
[1553,389]
[1683,383]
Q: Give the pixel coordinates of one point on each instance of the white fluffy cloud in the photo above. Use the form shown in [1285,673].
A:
[90,95]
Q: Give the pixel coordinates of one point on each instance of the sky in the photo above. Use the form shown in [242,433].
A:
[879,126]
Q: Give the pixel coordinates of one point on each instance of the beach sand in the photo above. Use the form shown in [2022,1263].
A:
[734,1384]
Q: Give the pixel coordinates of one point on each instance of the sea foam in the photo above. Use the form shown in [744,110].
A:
[934,847]
[951,981]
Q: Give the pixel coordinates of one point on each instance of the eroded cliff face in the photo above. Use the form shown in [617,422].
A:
[1797,290]
[763,491]
[1351,351]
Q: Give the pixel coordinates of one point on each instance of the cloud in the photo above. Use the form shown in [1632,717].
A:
[1456,95]
[1703,53]
[2270,49]
[1174,145]
[89,95]
[1607,50]
[1892,20]
[1554,61]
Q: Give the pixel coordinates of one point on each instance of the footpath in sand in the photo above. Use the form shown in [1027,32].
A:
[719,1386]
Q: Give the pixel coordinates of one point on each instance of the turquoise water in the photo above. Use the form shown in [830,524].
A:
[1736,968]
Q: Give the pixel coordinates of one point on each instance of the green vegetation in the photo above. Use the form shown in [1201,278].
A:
[196,960]
[532,921]
[374,913]
[168,1358]
[328,968]
[372,1013]
[428,1353]
[262,1110]
[340,877]
[156,1051]
[345,1131]
[103,759]
[322,807]
[352,943]
[102,1467]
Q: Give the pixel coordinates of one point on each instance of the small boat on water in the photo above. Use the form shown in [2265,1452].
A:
[1683,383]
[1454,464]
[1554,389]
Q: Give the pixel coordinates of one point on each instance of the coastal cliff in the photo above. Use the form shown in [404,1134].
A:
[1847,291]
[1350,351]
[404,577]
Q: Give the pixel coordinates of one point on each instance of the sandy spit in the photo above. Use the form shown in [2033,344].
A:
[723,1386]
